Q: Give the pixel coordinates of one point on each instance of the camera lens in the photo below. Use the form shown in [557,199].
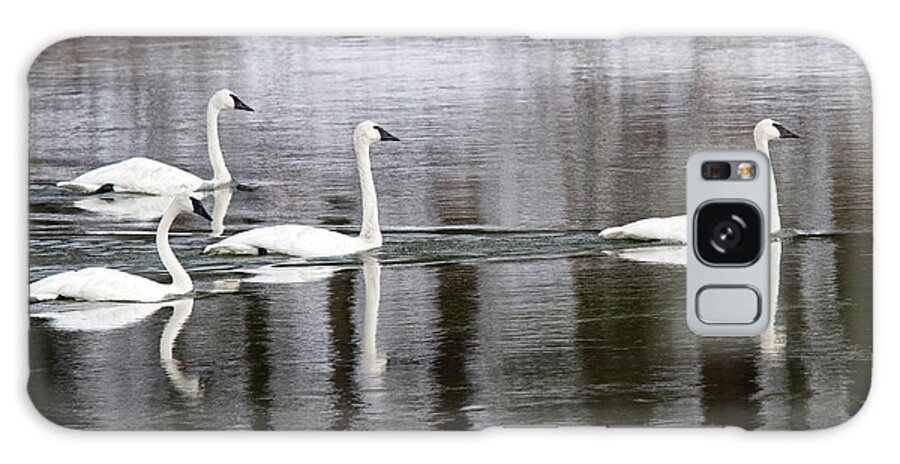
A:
[728,233]
[716,170]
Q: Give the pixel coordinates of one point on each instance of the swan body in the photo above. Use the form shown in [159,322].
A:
[668,229]
[294,240]
[143,175]
[674,229]
[313,242]
[100,284]
[104,284]
[135,175]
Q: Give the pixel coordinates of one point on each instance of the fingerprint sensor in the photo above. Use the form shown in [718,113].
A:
[726,304]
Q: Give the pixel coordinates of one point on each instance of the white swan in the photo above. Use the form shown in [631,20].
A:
[143,175]
[674,229]
[104,284]
[313,242]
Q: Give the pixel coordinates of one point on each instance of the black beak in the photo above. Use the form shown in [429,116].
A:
[240,105]
[784,133]
[385,135]
[199,209]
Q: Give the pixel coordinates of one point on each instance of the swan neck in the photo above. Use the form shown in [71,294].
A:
[371,230]
[762,145]
[221,176]
[181,281]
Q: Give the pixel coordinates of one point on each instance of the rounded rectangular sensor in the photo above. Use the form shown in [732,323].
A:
[728,304]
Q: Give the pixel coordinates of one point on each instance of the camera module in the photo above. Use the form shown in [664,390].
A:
[728,233]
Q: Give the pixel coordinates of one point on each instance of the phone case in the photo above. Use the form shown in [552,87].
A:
[434,233]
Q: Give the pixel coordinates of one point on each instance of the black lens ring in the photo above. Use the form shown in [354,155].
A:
[742,247]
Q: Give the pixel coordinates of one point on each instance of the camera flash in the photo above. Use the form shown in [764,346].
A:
[746,170]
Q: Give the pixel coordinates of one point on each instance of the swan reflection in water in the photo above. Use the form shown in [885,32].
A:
[675,255]
[772,340]
[292,271]
[143,208]
[300,271]
[222,198]
[373,362]
[149,208]
[102,317]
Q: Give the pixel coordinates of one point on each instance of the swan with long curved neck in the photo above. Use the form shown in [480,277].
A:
[674,229]
[313,242]
[104,284]
[144,175]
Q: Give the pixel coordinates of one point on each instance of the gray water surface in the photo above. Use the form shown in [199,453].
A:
[492,301]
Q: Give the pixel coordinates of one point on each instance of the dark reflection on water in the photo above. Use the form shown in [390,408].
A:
[346,400]
[730,383]
[457,304]
[493,301]
[258,359]
[620,326]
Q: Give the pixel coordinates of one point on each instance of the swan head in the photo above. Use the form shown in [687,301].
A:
[370,132]
[768,129]
[227,100]
[189,204]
